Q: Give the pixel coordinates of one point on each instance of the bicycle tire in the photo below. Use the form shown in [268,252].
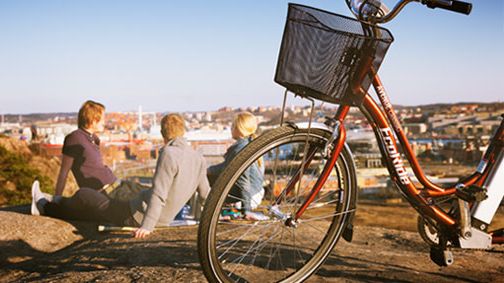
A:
[343,200]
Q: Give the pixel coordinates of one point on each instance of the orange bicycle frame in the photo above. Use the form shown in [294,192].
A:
[420,198]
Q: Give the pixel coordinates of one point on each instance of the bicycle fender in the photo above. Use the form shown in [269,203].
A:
[304,125]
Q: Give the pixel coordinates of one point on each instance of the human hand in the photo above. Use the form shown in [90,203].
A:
[141,233]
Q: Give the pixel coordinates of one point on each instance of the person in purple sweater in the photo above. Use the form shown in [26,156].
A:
[81,152]
[81,155]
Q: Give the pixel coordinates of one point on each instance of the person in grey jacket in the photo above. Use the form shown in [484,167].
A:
[180,171]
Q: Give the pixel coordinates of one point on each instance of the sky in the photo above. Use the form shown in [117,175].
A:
[198,55]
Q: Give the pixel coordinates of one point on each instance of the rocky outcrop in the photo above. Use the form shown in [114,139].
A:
[41,249]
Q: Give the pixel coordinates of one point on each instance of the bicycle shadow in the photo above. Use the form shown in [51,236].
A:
[365,270]
[365,266]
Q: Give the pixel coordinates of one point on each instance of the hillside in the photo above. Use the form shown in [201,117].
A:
[20,165]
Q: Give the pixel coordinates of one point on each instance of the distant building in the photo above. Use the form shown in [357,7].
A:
[9,126]
[207,117]
[368,160]
[225,109]
[363,141]
[415,128]
[211,144]
[54,133]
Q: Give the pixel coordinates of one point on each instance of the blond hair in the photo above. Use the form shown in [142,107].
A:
[246,124]
[172,126]
[89,113]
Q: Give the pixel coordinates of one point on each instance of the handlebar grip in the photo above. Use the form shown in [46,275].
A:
[452,5]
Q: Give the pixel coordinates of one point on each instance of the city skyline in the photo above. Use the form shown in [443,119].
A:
[193,56]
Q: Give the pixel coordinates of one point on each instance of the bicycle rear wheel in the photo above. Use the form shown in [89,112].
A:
[233,249]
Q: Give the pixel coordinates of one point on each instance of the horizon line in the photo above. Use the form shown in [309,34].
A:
[235,108]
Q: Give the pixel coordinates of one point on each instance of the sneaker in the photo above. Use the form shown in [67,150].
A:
[255,216]
[39,199]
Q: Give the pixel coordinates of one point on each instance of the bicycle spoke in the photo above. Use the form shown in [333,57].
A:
[318,205]
[245,234]
[298,253]
[240,226]
[316,228]
[307,239]
[241,258]
[327,216]
[235,242]
[246,222]
[264,245]
[322,197]
[277,250]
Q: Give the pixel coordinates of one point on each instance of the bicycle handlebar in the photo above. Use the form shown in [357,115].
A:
[455,6]
[375,12]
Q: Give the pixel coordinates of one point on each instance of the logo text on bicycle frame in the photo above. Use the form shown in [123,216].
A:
[388,107]
[396,156]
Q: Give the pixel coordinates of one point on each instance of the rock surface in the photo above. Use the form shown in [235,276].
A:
[35,248]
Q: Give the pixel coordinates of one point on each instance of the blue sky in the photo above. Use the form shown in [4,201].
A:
[202,55]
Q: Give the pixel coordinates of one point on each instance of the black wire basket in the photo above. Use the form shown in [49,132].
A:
[328,56]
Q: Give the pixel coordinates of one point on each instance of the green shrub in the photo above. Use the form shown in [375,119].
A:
[16,169]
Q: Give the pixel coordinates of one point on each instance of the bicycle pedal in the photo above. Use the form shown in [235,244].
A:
[440,256]
[471,193]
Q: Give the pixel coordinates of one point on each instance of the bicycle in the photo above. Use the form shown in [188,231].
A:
[310,172]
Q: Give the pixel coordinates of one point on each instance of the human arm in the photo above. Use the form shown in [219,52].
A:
[203,185]
[216,169]
[66,164]
[166,170]
[231,152]
[243,186]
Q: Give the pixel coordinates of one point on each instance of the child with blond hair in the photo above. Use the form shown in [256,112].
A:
[248,192]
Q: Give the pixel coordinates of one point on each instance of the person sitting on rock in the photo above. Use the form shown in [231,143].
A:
[81,155]
[248,191]
[180,171]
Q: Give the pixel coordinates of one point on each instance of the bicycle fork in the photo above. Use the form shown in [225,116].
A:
[336,143]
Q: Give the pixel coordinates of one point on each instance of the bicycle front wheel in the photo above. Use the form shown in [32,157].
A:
[234,248]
